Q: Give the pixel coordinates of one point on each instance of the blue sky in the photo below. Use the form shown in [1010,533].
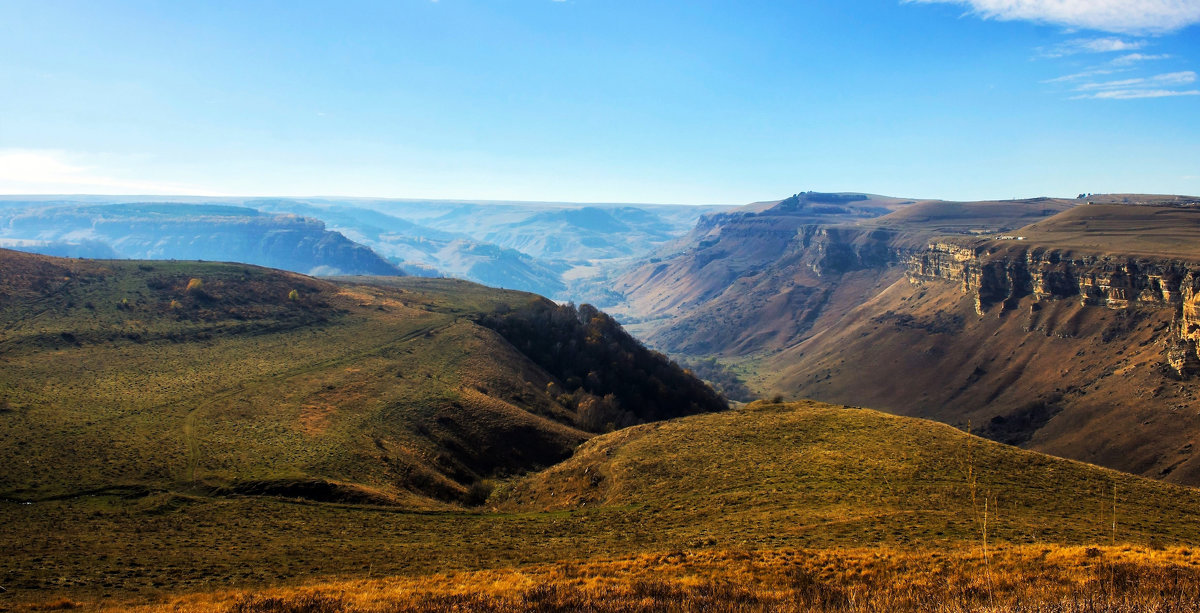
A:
[600,100]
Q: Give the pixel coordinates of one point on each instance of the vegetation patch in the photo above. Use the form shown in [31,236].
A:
[1043,578]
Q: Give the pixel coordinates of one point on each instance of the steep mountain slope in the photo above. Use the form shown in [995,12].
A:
[584,233]
[760,278]
[565,251]
[1075,336]
[501,267]
[191,232]
[221,378]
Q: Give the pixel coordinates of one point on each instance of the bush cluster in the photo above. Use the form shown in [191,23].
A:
[603,373]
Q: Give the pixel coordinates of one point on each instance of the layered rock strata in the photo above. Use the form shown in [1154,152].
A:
[1003,276]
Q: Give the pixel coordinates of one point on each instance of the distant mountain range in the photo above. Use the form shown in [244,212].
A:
[188,232]
[565,251]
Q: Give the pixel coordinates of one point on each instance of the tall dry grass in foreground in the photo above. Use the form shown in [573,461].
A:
[1029,578]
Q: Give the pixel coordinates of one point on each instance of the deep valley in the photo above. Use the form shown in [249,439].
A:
[1073,334]
[196,436]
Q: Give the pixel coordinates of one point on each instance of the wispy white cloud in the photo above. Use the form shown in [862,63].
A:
[1087,74]
[1134,94]
[1107,45]
[1124,63]
[39,171]
[1158,86]
[1123,16]
[1134,58]
[1169,79]
[1091,45]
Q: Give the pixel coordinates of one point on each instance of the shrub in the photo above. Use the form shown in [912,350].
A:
[603,414]
[61,604]
[478,493]
[194,285]
[590,355]
[306,603]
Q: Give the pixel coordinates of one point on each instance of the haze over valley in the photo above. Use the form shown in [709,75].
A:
[561,250]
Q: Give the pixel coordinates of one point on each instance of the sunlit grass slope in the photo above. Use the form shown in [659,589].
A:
[201,377]
[797,487]
[1042,578]
[823,475]
[173,428]
[796,506]
[209,378]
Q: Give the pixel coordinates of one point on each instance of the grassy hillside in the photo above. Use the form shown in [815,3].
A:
[823,475]
[1122,229]
[219,378]
[1051,579]
[176,428]
[932,218]
[772,501]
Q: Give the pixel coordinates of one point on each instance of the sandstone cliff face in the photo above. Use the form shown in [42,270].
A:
[837,250]
[1003,276]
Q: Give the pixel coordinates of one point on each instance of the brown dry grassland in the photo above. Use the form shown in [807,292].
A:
[798,506]
[1029,578]
[136,470]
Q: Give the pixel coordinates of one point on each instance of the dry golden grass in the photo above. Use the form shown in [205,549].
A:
[786,482]
[193,377]
[796,506]
[1117,229]
[1028,578]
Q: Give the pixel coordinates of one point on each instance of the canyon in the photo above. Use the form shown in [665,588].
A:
[1057,325]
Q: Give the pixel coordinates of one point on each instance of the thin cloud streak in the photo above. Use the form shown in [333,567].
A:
[1134,58]
[1087,74]
[1125,63]
[1157,81]
[1137,94]
[1120,16]
[1091,45]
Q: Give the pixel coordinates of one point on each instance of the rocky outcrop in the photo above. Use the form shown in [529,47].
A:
[1003,276]
[837,250]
